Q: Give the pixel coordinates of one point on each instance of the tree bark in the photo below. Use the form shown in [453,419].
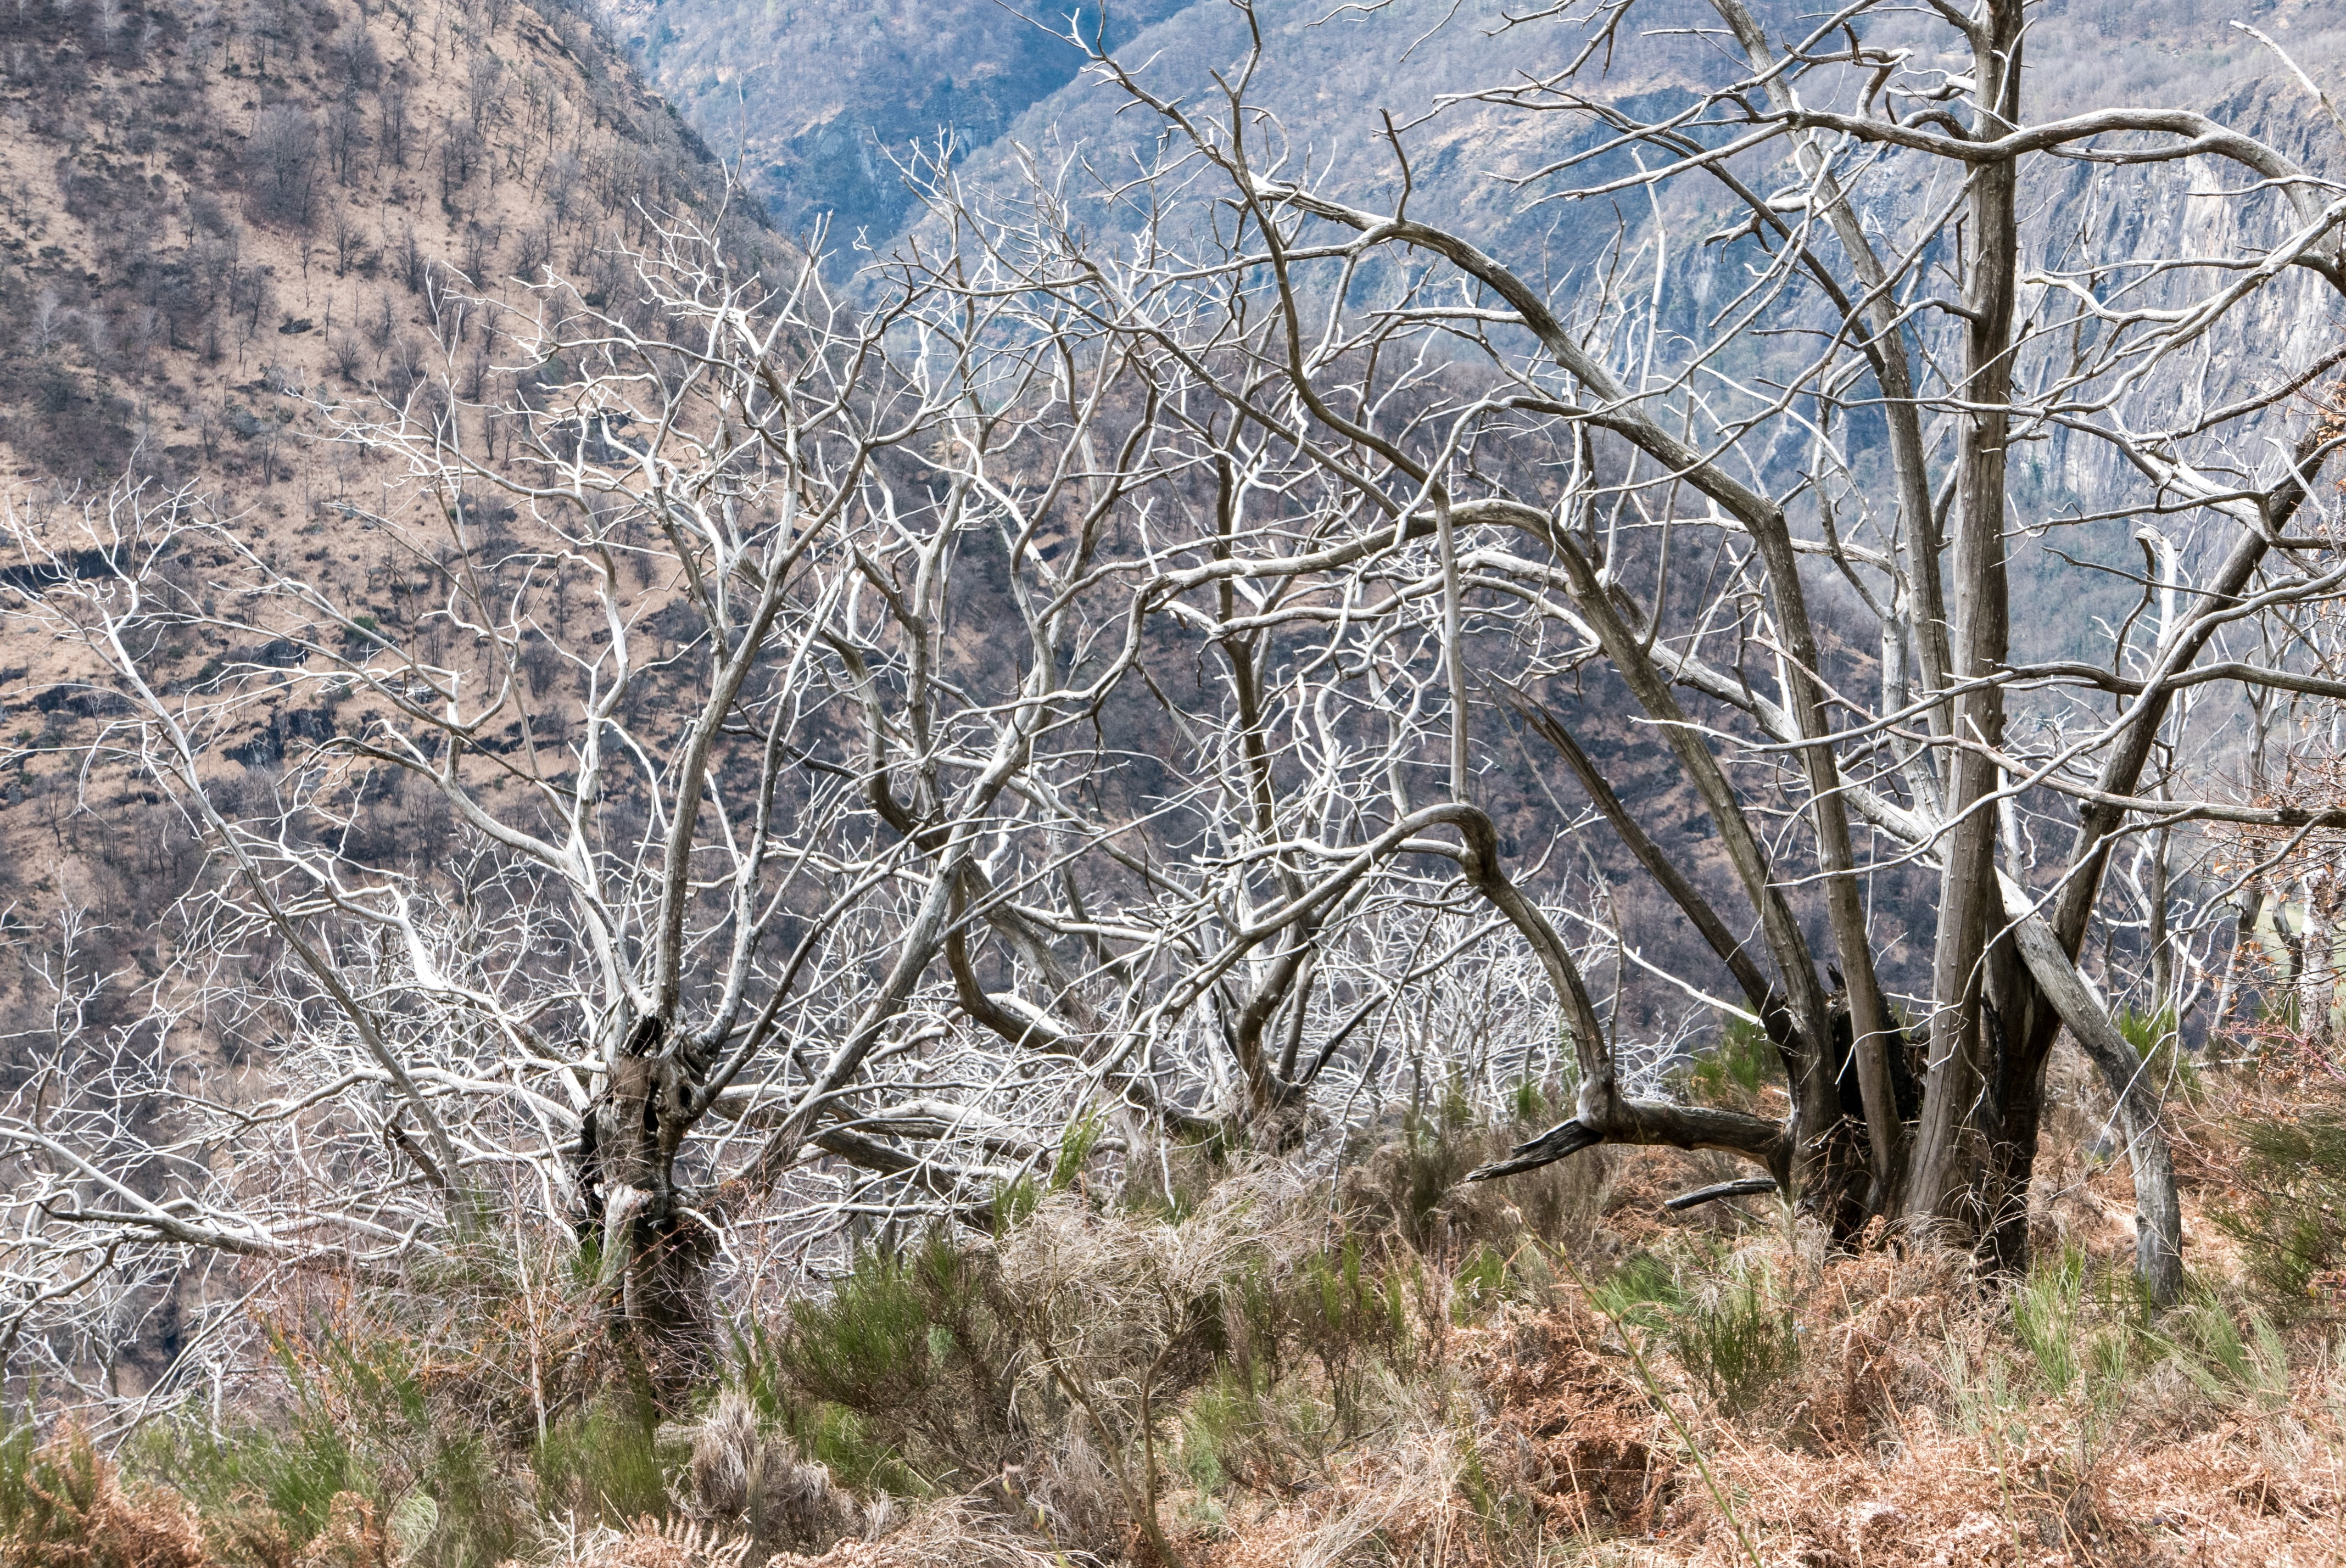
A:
[1945,1178]
[2158,1216]
[654,1254]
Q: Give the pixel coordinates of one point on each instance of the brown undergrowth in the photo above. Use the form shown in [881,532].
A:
[63,1505]
[1247,1368]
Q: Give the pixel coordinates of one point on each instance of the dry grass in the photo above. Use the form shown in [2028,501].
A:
[1402,1505]
[949,1534]
[745,1475]
[1271,1381]
[63,1505]
[1920,1425]
[646,1544]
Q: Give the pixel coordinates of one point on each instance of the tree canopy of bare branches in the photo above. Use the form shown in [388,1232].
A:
[799,758]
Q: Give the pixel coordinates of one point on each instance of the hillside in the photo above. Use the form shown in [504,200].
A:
[204,203]
[221,222]
[1456,77]
[1382,1375]
[814,96]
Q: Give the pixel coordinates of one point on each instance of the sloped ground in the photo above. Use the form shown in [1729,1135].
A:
[216,223]
[1276,1377]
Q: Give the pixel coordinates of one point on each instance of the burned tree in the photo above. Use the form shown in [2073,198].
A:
[789,767]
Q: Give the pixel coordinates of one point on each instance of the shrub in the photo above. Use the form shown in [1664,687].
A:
[1335,1311]
[1735,1066]
[1347,1312]
[1482,1282]
[604,1464]
[2205,1339]
[2166,1064]
[2083,1323]
[367,1418]
[265,1481]
[745,1473]
[2288,1208]
[2044,1314]
[1411,1186]
[1046,1361]
[1739,1342]
[892,1381]
[1644,1291]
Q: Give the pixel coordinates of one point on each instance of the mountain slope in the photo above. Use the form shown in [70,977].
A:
[1329,73]
[816,96]
[208,208]
[220,221]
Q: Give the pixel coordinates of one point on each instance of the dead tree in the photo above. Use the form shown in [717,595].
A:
[1859,457]
[781,766]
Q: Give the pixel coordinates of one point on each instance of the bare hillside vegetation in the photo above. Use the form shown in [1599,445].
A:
[223,222]
[1597,823]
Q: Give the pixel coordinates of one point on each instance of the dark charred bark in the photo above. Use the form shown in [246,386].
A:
[1748,1187]
[654,1253]
[2009,1118]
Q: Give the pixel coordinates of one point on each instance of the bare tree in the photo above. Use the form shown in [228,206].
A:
[391,125]
[349,237]
[345,134]
[1872,465]
[283,159]
[792,766]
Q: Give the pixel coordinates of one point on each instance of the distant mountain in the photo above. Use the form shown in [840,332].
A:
[1330,71]
[815,96]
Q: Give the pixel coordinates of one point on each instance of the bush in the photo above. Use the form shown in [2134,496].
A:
[2288,1207]
[365,1439]
[2205,1340]
[2082,1323]
[604,1465]
[1337,1311]
[1735,1067]
[894,1380]
[1643,1291]
[2166,1064]
[747,1474]
[2044,1313]
[1411,1187]
[1738,1341]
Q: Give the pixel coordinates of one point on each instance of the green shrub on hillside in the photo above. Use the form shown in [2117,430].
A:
[898,1378]
[2288,1210]
[1736,1339]
[1736,1065]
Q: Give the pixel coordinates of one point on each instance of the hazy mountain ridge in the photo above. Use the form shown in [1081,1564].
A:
[815,98]
[1327,74]
[814,93]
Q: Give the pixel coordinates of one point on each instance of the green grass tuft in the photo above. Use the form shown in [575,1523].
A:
[1739,1343]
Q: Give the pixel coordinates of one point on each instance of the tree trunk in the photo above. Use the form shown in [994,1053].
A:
[2159,1216]
[1951,1182]
[654,1256]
